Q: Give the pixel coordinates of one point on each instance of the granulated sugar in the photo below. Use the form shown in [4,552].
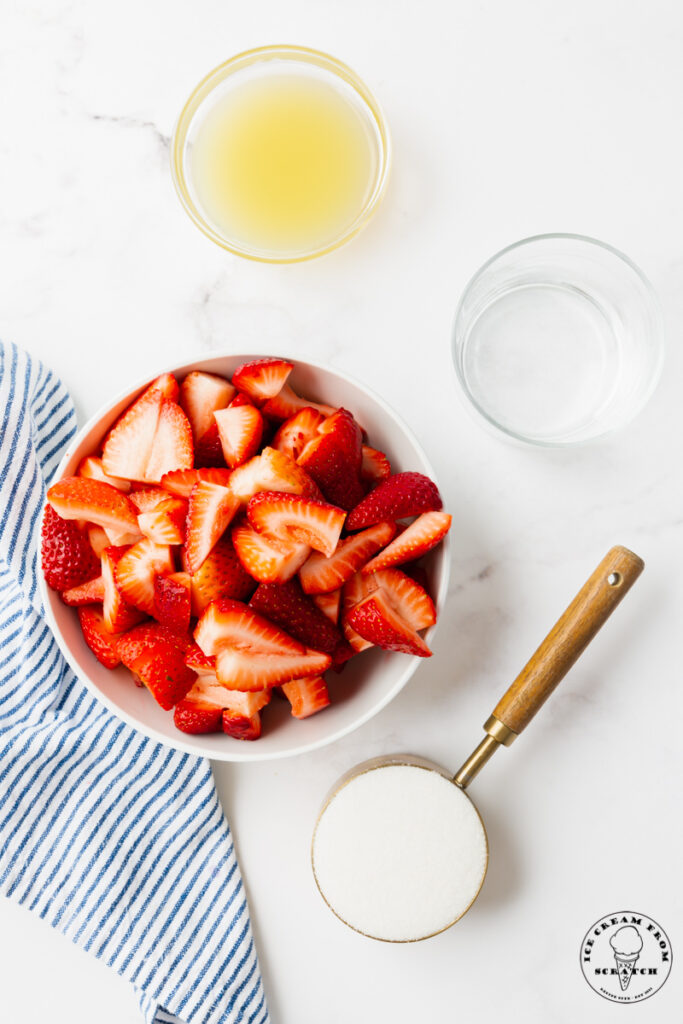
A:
[399,852]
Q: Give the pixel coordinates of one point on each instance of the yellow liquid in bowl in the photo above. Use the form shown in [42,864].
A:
[283,164]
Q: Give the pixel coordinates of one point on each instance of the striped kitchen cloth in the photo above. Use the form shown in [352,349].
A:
[116,841]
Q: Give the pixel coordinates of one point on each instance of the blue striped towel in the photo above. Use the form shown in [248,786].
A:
[118,842]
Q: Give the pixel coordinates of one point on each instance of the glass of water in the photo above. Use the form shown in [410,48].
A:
[558,340]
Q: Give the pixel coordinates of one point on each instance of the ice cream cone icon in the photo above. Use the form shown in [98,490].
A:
[627,944]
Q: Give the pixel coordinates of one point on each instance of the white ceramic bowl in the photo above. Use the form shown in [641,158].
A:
[368,682]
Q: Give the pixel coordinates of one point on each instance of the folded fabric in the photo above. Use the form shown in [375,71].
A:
[116,841]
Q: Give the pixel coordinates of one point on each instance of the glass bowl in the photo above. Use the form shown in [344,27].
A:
[250,66]
[558,340]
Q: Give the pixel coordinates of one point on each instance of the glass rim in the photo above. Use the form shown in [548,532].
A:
[303,55]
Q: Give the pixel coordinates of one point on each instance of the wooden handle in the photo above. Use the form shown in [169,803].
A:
[568,638]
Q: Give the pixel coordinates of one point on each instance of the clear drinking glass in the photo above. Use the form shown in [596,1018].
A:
[558,340]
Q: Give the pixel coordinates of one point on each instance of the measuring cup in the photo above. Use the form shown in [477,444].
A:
[399,850]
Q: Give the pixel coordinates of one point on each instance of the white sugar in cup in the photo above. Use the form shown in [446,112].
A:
[399,851]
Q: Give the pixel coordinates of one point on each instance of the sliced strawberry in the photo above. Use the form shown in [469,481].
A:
[287,403]
[319,575]
[67,558]
[418,538]
[78,497]
[333,459]
[197,719]
[165,523]
[353,591]
[208,450]
[122,538]
[147,635]
[87,593]
[290,517]
[287,606]
[240,399]
[231,623]
[210,511]
[406,596]
[198,661]
[208,690]
[98,540]
[240,429]
[268,559]
[92,467]
[402,495]
[208,704]
[249,670]
[117,613]
[136,569]
[295,433]
[306,695]
[128,444]
[172,601]
[375,619]
[162,669]
[181,482]
[148,499]
[417,572]
[375,466]
[262,379]
[100,641]
[272,471]
[167,385]
[329,604]
[221,574]
[172,448]
[241,727]
[201,394]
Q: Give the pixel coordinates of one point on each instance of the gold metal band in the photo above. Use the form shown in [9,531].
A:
[494,727]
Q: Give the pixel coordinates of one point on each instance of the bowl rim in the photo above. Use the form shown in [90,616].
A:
[246,58]
[251,754]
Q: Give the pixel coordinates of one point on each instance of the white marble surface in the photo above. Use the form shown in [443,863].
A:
[508,119]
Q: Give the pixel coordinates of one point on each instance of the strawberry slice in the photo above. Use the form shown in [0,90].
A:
[221,574]
[329,604]
[87,593]
[172,448]
[201,394]
[272,471]
[287,403]
[78,497]
[290,517]
[375,619]
[128,444]
[118,615]
[172,601]
[208,450]
[98,540]
[148,499]
[262,379]
[267,559]
[210,511]
[92,467]
[418,538]
[166,384]
[402,495]
[241,727]
[306,695]
[353,591]
[181,482]
[231,623]
[410,600]
[375,466]
[333,459]
[295,433]
[197,718]
[319,575]
[67,557]
[100,641]
[208,691]
[251,670]
[161,667]
[240,429]
[122,538]
[165,523]
[136,569]
[287,606]
[203,664]
[136,641]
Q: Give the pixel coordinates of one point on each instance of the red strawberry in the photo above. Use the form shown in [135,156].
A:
[87,593]
[208,450]
[287,606]
[92,467]
[272,471]
[196,718]
[295,433]
[210,510]
[101,642]
[241,727]
[250,670]
[231,623]
[319,575]
[268,559]
[98,540]
[261,379]
[172,448]
[136,569]
[200,395]
[208,704]
[208,690]
[240,399]
[77,497]
[181,482]
[333,459]
[329,604]
[122,538]
[136,641]
[418,538]
[172,601]
[199,662]
[290,517]
[162,669]
[128,445]
[353,591]
[149,499]
[240,429]
[287,403]
[376,619]
[221,574]
[117,613]
[375,466]
[67,558]
[165,524]
[167,385]
[406,596]
[402,495]
[306,695]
